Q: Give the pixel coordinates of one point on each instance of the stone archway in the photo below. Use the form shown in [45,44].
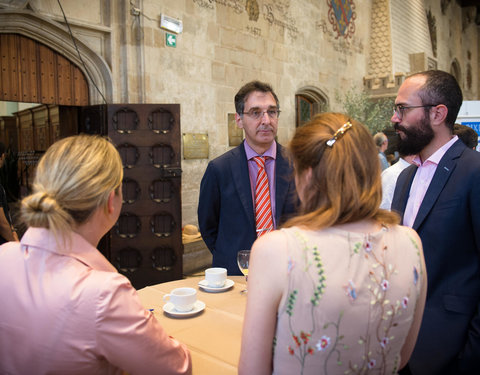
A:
[309,101]
[58,39]
[456,71]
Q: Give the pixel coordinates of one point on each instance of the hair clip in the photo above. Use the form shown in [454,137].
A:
[339,133]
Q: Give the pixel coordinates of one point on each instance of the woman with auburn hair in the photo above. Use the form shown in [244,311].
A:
[66,310]
[341,288]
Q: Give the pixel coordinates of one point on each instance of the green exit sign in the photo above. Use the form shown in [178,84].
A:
[171,40]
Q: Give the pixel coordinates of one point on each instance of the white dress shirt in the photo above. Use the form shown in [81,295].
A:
[389,180]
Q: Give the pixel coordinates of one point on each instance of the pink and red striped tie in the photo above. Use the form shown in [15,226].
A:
[263,207]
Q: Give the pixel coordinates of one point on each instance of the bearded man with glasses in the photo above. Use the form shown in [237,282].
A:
[249,190]
[439,197]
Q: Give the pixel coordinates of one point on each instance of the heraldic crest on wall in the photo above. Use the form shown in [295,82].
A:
[341,14]
[252,9]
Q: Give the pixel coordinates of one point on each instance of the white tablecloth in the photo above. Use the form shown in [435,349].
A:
[214,335]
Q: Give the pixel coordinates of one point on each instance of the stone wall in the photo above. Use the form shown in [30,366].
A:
[410,33]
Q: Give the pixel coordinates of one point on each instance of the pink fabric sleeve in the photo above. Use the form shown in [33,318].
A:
[130,337]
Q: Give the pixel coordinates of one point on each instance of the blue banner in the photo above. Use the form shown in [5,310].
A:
[475,125]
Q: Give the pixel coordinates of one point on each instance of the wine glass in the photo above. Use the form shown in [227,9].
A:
[243,257]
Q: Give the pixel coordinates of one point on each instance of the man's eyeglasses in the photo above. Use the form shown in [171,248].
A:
[399,109]
[257,114]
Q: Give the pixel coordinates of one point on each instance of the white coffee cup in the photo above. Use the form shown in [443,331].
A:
[182,299]
[216,277]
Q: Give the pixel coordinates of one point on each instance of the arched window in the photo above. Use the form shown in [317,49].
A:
[456,71]
[308,102]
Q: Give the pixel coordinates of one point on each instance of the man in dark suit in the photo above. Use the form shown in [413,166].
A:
[439,197]
[226,209]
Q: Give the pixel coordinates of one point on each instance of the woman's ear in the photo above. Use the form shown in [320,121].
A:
[110,202]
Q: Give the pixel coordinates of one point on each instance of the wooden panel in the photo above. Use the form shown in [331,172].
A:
[63,122]
[9,133]
[64,76]
[32,72]
[5,73]
[41,139]
[27,56]
[80,87]
[25,121]
[48,66]
[54,118]
[10,76]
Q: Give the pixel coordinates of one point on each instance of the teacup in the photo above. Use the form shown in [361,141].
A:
[216,277]
[182,299]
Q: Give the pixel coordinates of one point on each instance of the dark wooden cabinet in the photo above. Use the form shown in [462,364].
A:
[145,244]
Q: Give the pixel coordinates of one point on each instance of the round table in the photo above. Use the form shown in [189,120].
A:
[214,335]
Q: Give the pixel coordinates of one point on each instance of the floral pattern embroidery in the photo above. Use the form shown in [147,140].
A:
[415,275]
[351,292]
[323,343]
[367,246]
[329,341]
[384,342]
[291,302]
[290,265]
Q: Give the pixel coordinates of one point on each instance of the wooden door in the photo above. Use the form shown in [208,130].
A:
[34,73]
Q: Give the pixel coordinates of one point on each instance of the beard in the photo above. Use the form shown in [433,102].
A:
[416,138]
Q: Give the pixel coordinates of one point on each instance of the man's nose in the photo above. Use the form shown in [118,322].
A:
[265,118]
[395,117]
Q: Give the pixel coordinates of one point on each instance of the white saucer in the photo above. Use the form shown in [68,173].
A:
[204,285]
[197,307]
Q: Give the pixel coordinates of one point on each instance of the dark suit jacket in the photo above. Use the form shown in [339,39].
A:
[448,223]
[225,210]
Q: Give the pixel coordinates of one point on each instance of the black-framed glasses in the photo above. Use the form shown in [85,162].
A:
[399,109]
[257,114]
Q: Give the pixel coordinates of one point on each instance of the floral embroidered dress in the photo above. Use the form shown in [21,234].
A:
[349,302]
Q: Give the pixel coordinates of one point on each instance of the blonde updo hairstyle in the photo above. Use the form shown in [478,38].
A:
[346,185]
[73,178]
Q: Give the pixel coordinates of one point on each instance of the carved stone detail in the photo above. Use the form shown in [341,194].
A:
[252,9]
[380,63]
[432,27]
[444,5]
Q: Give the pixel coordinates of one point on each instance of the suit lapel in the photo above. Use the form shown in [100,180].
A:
[402,190]
[443,172]
[241,179]
[281,182]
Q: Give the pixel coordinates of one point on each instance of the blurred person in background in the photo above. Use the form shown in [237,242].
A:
[467,135]
[389,179]
[381,141]
[7,231]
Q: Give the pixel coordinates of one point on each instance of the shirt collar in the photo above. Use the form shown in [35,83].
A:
[271,152]
[80,249]
[437,155]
